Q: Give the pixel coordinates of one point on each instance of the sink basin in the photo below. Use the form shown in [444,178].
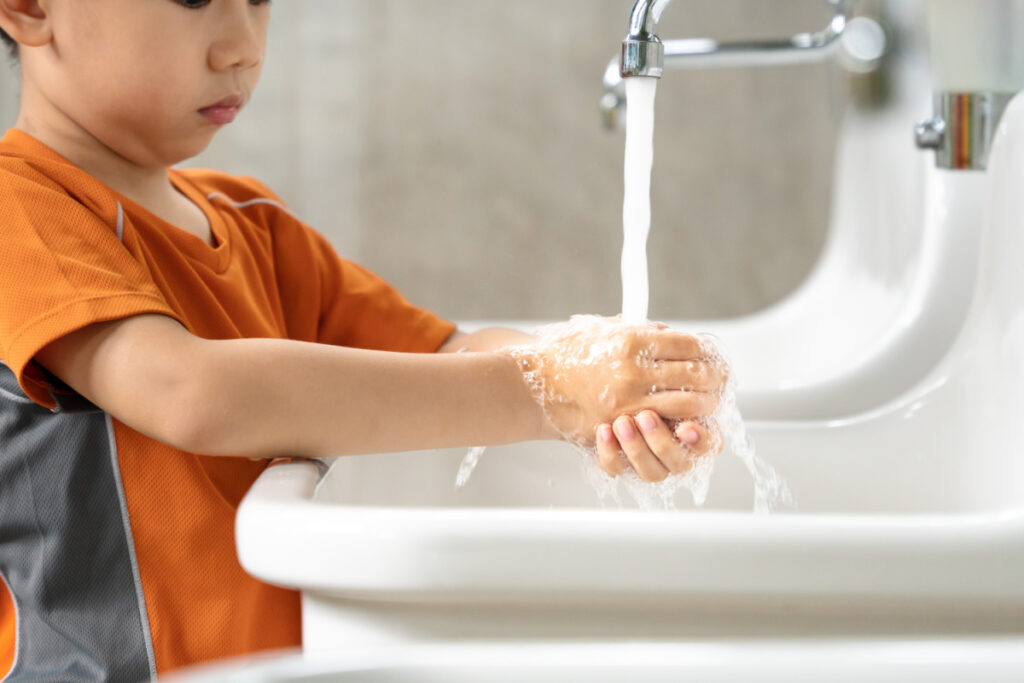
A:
[937,661]
[910,517]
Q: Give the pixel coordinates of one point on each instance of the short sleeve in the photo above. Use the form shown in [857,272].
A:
[348,304]
[363,310]
[62,268]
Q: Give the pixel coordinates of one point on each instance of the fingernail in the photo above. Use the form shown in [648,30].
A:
[604,433]
[624,428]
[647,423]
[691,436]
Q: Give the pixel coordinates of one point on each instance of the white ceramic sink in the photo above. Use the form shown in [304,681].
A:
[910,519]
[935,661]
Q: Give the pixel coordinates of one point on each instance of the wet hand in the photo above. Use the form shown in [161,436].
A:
[653,449]
[589,371]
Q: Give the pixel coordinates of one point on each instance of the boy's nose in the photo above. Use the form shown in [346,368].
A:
[241,41]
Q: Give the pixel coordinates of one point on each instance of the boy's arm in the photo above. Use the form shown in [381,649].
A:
[265,397]
[270,398]
[488,339]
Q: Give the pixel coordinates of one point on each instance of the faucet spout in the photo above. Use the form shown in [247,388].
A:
[643,53]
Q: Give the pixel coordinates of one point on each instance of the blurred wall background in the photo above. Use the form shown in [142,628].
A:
[455,147]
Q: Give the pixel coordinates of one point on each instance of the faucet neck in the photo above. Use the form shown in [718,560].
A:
[642,21]
[642,53]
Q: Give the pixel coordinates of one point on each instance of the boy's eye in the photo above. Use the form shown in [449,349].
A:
[196,4]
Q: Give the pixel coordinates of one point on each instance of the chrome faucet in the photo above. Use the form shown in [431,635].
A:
[645,54]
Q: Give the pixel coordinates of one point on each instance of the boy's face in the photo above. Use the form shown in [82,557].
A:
[136,74]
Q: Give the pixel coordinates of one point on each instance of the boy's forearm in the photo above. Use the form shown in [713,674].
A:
[271,397]
[487,339]
[266,397]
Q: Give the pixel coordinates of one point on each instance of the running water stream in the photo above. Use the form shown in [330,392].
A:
[770,491]
[636,199]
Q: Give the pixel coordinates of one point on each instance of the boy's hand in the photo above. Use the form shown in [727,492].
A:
[594,372]
[651,448]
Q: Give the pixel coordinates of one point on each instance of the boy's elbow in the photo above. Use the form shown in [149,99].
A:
[214,405]
[189,423]
[197,415]
[153,375]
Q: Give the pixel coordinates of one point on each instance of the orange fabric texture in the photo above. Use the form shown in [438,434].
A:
[74,252]
[8,630]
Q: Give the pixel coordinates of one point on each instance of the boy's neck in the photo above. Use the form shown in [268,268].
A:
[40,118]
[149,187]
[141,184]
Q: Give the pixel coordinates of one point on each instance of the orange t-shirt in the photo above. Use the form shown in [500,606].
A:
[158,523]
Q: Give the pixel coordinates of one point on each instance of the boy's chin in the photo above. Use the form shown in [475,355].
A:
[191,148]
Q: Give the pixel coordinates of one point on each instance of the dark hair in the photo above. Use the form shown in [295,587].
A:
[12,47]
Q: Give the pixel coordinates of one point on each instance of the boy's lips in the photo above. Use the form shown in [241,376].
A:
[223,111]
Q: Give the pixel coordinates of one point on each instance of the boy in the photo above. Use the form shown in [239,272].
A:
[155,324]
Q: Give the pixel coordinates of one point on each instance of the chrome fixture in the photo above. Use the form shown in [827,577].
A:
[645,54]
[962,129]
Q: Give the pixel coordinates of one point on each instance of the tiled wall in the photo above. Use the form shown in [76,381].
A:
[455,147]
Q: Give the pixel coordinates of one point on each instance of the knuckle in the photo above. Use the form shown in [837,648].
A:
[697,403]
[702,378]
[693,345]
[638,345]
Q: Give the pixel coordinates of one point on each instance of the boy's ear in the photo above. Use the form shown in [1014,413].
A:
[26,21]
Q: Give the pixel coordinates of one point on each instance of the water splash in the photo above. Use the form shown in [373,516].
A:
[468,464]
[770,491]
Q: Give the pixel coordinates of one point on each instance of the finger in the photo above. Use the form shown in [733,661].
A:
[681,405]
[663,443]
[609,456]
[670,345]
[691,375]
[700,440]
[648,467]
